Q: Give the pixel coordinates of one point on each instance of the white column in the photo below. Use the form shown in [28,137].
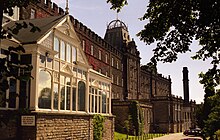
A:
[34,82]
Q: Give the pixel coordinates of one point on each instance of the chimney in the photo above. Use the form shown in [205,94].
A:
[185,85]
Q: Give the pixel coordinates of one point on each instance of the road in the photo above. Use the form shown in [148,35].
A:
[177,136]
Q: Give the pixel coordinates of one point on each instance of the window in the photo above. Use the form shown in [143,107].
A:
[100,55]
[8,98]
[81,95]
[99,98]
[62,50]
[65,85]
[83,45]
[117,64]
[74,54]
[33,14]
[112,61]
[55,96]
[112,78]
[92,50]
[56,46]
[106,58]
[117,80]
[68,53]
[44,90]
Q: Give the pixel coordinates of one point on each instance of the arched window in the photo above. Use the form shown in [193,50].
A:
[81,96]
[44,90]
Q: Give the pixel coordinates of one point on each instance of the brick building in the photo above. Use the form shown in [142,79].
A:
[134,87]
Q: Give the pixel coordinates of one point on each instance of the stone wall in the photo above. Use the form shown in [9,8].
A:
[55,127]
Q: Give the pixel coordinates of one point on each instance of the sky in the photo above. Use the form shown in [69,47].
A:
[96,14]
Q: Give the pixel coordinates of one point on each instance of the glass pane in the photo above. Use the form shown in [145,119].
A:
[81,96]
[44,90]
[68,98]
[56,46]
[23,94]
[74,54]
[68,53]
[96,104]
[56,96]
[12,93]
[92,103]
[62,97]
[74,99]
[62,50]
[103,102]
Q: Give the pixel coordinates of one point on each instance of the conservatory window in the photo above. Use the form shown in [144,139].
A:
[81,96]
[55,96]
[65,88]
[44,90]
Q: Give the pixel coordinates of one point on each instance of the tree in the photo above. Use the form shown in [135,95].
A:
[173,25]
[8,69]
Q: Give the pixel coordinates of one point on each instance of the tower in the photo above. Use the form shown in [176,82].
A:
[118,36]
[185,85]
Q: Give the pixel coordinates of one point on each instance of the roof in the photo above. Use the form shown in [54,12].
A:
[25,36]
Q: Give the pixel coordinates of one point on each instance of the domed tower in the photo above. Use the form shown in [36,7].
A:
[117,33]
[118,36]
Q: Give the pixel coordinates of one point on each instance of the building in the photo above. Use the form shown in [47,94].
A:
[144,95]
[65,92]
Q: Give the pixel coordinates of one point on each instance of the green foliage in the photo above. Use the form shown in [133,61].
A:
[212,123]
[137,122]
[117,4]
[173,25]
[98,126]
[120,136]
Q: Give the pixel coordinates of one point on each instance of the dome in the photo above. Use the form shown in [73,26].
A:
[117,23]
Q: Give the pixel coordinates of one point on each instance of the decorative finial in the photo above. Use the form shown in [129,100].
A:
[67,7]
[117,16]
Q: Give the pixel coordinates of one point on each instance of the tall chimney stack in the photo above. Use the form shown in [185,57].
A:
[185,85]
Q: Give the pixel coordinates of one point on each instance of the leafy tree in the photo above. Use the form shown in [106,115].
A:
[173,25]
[8,69]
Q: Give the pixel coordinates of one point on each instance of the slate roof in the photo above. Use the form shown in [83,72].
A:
[24,35]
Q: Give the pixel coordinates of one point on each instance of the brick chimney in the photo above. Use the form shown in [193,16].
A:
[185,85]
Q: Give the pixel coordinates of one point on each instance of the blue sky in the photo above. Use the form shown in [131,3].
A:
[96,14]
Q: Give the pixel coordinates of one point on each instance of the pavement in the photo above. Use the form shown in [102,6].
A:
[177,136]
